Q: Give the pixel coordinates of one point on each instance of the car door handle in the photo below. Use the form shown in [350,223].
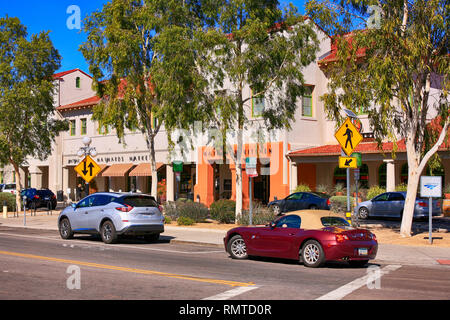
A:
[292,234]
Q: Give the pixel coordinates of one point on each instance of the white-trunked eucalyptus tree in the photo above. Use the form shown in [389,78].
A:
[28,125]
[142,57]
[392,58]
[254,44]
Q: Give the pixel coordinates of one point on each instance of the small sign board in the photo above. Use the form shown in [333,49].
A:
[177,166]
[348,137]
[347,162]
[88,169]
[430,187]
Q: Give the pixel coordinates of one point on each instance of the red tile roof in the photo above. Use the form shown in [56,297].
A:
[332,57]
[80,104]
[335,149]
[64,73]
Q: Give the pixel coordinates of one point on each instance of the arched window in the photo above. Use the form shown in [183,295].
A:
[364,176]
[340,176]
[78,82]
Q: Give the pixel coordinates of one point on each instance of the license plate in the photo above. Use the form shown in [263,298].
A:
[363,251]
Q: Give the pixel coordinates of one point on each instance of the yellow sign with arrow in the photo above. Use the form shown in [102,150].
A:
[348,162]
[88,169]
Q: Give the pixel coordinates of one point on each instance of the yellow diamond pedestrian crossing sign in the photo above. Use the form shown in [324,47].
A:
[348,137]
[88,169]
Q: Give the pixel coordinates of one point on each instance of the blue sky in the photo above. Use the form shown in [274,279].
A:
[51,15]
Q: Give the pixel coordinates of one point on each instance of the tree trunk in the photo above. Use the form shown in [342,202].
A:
[154,191]
[18,185]
[410,201]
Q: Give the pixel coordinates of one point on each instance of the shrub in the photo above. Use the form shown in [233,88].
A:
[194,210]
[322,188]
[10,200]
[223,211]
[447,188]
[185,221]
[374,191]
[302,188]
[167,220]
[401,187]
[339,187]
[261,215]
[339,204]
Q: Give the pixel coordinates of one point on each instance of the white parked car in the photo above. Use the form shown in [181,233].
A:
[9,187]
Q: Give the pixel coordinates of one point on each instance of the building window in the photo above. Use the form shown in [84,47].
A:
[258,105]
[73,127]
[83,127]
[364,176]
[340,176]
[78,82]
[382,175]
[307,102]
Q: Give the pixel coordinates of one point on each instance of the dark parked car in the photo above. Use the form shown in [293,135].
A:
[391,204]
[39,198]
[299,201]
[312,237]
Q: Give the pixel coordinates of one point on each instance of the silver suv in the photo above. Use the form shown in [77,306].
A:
[113,214]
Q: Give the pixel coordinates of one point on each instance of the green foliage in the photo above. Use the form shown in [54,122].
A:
[167,220]
[322,188]
[261,215]
[223,211]
[10,200]
[375,191]
[185,221]
[339,187]
[302,188]
[28,125]
[447,188]
[401,187]
[339,204]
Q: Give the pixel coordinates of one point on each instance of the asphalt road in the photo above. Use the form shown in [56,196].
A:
[38,265]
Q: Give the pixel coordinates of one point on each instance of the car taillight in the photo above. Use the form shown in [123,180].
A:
[328,202]
[341,237]
[126,208]
[422,204]
[53,197]
[374,237]
[160,208]
[36,197]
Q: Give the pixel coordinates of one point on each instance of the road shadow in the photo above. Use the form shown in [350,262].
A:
[126,239]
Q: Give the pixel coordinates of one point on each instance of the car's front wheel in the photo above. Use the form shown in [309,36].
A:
[276,209]
[108,232]
[65,229]
[363,213]
[237,247]
[312,254]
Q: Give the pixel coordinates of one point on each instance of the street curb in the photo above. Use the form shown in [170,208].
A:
[193,242]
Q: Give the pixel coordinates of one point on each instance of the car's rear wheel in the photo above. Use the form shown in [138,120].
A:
[65,229]
[108,233]
[237,247]
[312,254]
[363,213]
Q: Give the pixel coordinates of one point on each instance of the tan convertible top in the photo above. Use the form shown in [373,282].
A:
[311,218]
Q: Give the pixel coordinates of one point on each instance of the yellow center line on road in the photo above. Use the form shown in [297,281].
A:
[132,270]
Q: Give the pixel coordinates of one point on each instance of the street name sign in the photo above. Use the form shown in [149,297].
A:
[88,169]
[348,136]
[348,162]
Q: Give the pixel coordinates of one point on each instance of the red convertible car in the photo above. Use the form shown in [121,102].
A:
[311,236]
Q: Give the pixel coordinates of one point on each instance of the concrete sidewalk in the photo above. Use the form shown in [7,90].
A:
[387,253]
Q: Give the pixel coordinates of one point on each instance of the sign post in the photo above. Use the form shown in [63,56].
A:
[251,171]
[177,169]
[430,187]
[348,137]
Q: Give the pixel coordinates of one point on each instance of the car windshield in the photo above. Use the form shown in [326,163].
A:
[139,201]
[334,221]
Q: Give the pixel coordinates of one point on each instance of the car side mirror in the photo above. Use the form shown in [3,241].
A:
[272,225]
